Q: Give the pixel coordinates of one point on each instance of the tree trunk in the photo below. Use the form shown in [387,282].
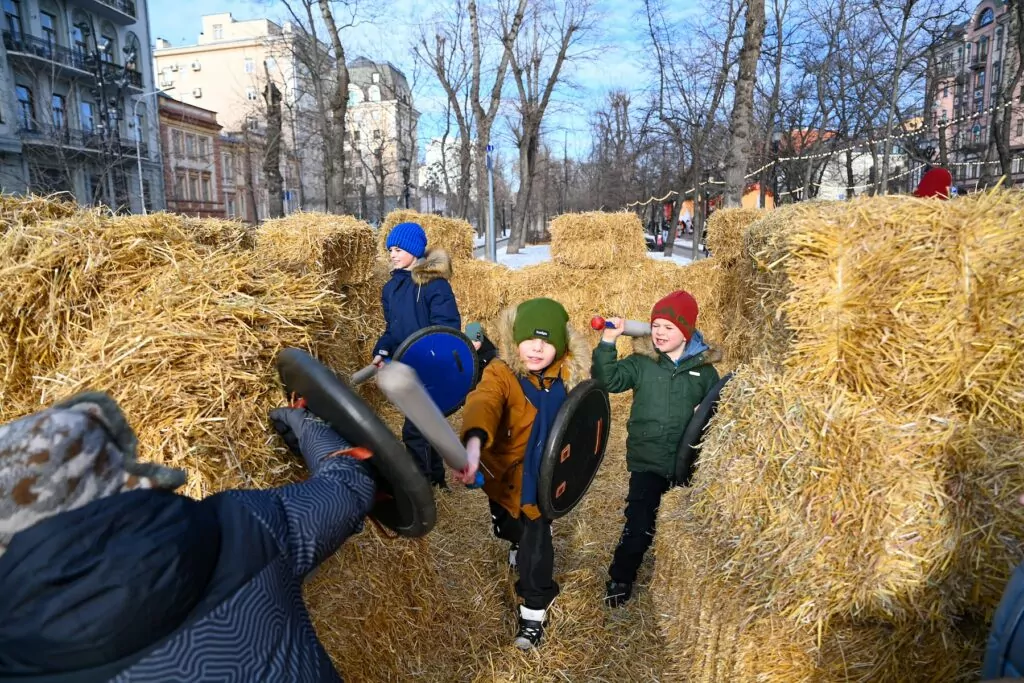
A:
[272,154]
[527,167]
[339,109]
[894,93]
[943,147]
[851,181]
[741,120]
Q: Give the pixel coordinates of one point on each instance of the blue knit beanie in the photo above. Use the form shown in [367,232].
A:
[410,237]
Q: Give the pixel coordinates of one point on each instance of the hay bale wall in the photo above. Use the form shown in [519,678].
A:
[863,469]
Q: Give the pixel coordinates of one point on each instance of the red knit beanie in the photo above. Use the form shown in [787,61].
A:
[935,183]
[680,309]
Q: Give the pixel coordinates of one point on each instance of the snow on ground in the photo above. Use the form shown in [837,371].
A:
[539,253]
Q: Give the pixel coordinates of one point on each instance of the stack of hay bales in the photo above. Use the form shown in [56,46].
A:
[183,334]
[725,232]
[857,490]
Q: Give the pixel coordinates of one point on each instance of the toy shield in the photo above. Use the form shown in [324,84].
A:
[575,449]
[404,502]
[445,362]
[689,445]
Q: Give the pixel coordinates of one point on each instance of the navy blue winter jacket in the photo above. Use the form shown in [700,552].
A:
[1004,656]
[153,586]
[418,298]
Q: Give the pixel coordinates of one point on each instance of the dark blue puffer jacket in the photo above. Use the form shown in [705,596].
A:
[1004,656]
[153,586]
[418,298]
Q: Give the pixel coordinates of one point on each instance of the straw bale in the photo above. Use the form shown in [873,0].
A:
[480,289]
[726,228]
[53,273]
[598,240]
[988,478]
[830,506]
[453,235]
[218,232]
[17,210]
[341,246]
[716,630]
[191,360]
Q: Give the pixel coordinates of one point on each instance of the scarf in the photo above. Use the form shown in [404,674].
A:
[547,401]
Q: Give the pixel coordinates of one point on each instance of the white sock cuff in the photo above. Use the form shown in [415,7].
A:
[531,614]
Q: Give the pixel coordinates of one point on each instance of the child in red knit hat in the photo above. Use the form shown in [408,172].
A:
[670,373]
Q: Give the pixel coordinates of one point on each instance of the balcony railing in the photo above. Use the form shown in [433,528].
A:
[126,6]
[75,137]
[42,48]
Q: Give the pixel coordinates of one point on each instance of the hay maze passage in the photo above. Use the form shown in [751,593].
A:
[853,516]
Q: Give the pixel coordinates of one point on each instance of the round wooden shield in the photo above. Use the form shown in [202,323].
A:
[404,502]
[575,449]
[689,445]
[445,362]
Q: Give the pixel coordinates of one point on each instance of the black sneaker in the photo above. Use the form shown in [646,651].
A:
[531,628]
[618,594]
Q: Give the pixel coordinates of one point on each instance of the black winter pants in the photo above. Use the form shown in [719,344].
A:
[426,457]
[536,558]
[642,501]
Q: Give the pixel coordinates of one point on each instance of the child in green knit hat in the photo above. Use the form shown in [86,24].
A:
[504,426]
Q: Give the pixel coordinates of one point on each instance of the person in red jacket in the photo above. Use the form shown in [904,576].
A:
[935,183]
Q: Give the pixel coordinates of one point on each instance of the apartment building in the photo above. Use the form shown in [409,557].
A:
[227,70]
[75,112]
[382,146]
[972,64]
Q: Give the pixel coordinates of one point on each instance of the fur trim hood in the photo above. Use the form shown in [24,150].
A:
[435,265]
[575,364]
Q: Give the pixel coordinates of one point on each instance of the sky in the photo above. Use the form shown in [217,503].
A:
[614,59]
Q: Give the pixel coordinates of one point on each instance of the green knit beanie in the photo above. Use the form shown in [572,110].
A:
[542,319]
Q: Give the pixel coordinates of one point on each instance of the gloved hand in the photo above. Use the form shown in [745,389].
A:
[289,424]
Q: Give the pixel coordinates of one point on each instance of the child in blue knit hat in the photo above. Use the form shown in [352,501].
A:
[418,295]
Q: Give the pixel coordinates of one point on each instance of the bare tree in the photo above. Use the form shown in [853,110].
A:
[272,155]
[552,32]
[740,143]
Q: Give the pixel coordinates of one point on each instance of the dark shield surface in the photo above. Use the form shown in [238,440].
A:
[404,502]
[689,445]
[575,449]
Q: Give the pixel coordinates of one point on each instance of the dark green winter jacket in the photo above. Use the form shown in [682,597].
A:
[664,397]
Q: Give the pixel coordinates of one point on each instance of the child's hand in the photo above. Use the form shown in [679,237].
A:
[477,345]
[468,475]
[378,361]
[611,334]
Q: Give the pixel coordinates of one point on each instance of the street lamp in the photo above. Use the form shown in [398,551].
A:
[776,140]
[138,140]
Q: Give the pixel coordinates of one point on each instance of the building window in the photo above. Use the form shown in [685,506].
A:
[986,17]
[60,115]
[85,116]
[252,122]
[78,39]
[203,148]
[180,186]
[374,93]
[999,39]
[945,90]
[1020,128]
[997,72]
[26,117]
[177,144]
[250,66]
[227,165]
[111,47]
[193,186]
[981,79]
[190,146]
[207,191]
[983,48]
[218,31]
[250,94]
[375,78]
[12,12]
[48,23]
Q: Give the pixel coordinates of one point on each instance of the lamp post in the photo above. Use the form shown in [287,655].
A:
[138,141]
[776,139]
